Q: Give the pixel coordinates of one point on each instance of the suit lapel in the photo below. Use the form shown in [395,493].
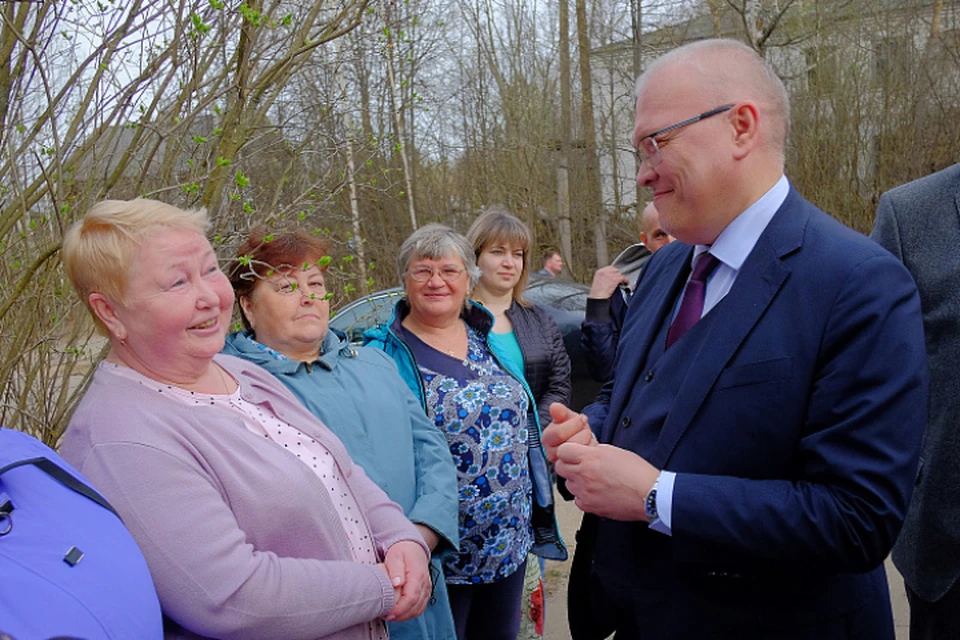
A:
[760,279]
[655,299]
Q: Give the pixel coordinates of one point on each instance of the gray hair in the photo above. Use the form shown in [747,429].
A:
[731,71]
[436,241]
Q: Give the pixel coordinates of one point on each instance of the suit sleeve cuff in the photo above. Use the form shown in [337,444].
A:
[598,310]
[664,521]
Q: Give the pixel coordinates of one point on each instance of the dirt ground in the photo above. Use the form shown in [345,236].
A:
[557,576]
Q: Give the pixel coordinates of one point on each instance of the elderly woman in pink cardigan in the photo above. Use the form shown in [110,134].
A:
[253,520]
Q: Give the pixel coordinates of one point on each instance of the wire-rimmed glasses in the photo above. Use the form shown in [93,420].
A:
[649,151]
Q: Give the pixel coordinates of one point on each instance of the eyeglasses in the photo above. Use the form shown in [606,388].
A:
[425,274]
[649,151]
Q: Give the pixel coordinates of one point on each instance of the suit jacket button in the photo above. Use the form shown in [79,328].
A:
[649,376]
[625,422]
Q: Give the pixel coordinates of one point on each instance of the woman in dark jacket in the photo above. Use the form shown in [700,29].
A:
[502,244]
[526,332]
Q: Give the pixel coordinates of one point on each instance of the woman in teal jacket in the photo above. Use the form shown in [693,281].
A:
[355,391]
[481,401]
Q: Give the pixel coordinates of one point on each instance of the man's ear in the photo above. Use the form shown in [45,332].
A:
[106,311]
[746,120]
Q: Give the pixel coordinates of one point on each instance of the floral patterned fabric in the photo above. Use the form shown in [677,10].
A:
[482,411]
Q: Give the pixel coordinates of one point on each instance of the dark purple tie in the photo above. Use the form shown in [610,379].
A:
[691,307]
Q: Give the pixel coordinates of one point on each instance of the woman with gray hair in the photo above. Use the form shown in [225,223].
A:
[479,399]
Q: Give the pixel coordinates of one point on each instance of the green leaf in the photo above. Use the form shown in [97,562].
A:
[223,162]
[251,15]
[202,27]
[324,261]
[241,179]
[199,139]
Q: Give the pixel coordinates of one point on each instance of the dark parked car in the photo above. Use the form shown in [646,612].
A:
[564,299]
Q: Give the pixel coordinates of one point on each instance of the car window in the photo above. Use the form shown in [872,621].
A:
[362,314]
[569,296]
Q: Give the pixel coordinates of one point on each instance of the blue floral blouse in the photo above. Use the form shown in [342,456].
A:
[482,411]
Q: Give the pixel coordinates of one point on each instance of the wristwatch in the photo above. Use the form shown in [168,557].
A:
[650,504]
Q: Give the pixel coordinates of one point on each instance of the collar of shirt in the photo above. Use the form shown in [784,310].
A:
[735,243]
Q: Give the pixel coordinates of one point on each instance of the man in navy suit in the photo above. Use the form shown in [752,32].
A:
[760,436]
[919,222]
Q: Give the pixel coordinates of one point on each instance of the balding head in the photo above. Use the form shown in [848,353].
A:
[711,124]
[652,234]
[727,72]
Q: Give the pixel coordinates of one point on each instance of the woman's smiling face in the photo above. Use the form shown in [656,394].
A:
[177,306]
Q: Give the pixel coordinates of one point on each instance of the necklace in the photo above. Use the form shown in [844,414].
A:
[223,378]
[442,342]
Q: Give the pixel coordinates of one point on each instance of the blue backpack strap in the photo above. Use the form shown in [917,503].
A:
[63,477]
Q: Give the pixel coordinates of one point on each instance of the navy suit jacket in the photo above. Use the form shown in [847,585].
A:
[794,432]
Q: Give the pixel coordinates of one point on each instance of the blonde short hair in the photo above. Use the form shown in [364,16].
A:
[98,250]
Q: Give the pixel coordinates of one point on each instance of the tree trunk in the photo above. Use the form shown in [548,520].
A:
[715,15]
[351,177]
[593,199]
[363,85]
[636,9]
[752,24]
[935,22]
[397,115]
[563,161]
